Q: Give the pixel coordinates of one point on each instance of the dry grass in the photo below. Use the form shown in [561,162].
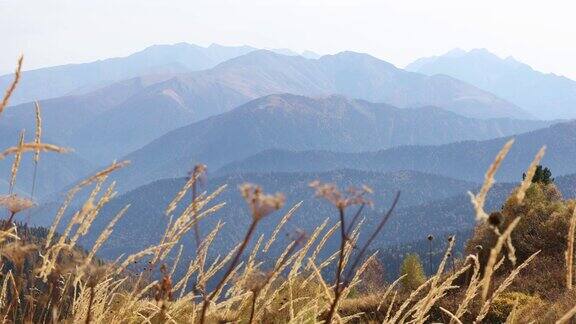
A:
[479,199]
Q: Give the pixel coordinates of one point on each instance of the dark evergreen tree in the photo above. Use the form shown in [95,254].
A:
[542,175]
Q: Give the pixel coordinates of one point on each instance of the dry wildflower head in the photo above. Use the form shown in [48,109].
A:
[198,172]
[261,204]
[15,203]
[495,219]
[352,196]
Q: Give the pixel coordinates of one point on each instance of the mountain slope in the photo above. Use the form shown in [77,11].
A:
[63,116]
[301,123]
[467,160]
[546,96]
[82,78]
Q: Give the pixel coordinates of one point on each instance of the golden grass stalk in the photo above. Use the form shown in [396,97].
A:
[452,316]
[409,300]
[507,282]
[38,133]
[283,221]
[479,199]
[34,147]
[3,291]
[105,235]
[389,290]
[180,195]
[389,310]
[103,173]
[567,317]
[84,219]
[176,260]
[12,87]
[304,250]
[511,319]
[570,252]
[429,300]
[472,289]
[527,181]
[152,250]
[421,310]
[17,160]
[98,177]
[520,194]
[488,271]
[356,279]
[198,263]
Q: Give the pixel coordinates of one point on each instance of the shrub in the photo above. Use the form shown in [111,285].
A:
[413,271]
[544,224]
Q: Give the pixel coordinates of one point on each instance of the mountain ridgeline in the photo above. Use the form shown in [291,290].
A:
[299,123]
[546,96]
[467,160]
[82,78]
[149,105]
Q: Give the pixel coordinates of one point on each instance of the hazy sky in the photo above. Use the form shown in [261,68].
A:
[50,32]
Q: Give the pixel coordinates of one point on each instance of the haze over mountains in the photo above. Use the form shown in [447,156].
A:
[546,96]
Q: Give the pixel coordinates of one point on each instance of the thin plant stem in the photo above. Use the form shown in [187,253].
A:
[196,226]
[339,270]
[253,307]
[228,272]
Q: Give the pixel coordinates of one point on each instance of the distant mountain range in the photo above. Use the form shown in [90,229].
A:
[546,96]
[466,160]
[141,109]
[301,123]
[71,79]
